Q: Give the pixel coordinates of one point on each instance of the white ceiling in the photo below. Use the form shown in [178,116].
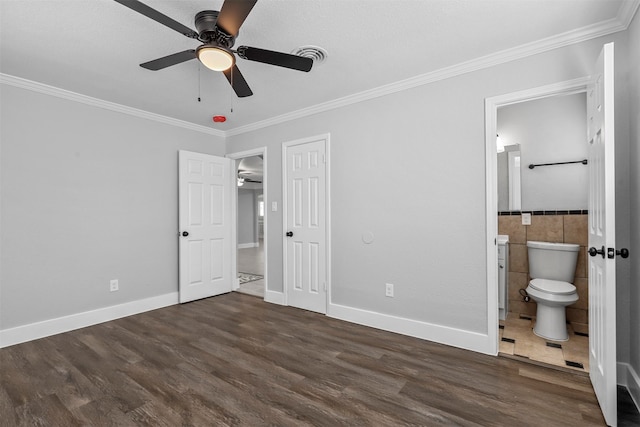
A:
[94,47]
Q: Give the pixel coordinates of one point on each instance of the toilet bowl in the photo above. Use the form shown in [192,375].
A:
[552,267]
[552,297]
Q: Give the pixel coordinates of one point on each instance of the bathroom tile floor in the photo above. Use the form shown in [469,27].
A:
[518,340]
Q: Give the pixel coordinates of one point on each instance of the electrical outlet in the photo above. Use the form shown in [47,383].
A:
[526,219]
[389,290]
[113,285]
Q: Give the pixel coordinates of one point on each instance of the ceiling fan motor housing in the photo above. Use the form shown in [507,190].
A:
[209,32]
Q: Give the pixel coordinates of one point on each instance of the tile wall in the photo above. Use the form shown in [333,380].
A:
[547,226]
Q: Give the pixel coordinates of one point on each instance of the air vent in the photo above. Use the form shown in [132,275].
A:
[316,53]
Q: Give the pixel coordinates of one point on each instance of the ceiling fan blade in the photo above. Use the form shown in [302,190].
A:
[158,17]
[237,81]
[169,60]
[233,14]
[280,59]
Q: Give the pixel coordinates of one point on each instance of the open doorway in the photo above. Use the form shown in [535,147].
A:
[511,216]
[250,253]
[548,135]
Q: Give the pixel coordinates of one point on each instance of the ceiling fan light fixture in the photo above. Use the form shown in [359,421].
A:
[215,58]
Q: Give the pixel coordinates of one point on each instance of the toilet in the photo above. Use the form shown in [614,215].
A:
[552,268]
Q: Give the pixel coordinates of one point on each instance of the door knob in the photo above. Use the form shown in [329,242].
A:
[289,233]
[593,251]
[624,253]
[185,233]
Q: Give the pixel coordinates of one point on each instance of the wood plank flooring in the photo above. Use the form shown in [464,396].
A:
[236,360]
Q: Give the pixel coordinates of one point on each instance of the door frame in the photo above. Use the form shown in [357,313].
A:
[491,115]
[327,144]
[261,151]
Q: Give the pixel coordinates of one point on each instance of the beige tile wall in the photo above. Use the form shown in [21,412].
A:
[546,228]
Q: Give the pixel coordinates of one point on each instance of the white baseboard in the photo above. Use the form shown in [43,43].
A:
[441,334]
[248,245]
[274,297]
[50,327]
[628,377]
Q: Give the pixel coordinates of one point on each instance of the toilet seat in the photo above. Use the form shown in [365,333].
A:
[554,287]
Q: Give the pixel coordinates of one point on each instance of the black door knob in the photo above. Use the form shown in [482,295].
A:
[624,253]
[593,251]
[289,233]
[185,233]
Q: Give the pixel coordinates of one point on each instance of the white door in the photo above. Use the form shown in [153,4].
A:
[304,170]
[204,213]
[602,264]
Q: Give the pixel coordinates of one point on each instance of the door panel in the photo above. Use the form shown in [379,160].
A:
[602,269]
[205,216]
[305,217]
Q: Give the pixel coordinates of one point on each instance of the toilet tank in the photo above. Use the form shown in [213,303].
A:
[552,261]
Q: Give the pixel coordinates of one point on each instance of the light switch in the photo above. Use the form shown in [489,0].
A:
[274,206]
[526,219]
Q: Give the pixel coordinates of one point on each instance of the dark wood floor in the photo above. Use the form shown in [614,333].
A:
[235,360]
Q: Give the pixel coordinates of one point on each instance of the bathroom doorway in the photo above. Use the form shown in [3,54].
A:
[251,218]
[547,132]
[542,126]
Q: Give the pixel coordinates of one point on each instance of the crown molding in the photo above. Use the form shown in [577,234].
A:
[627,11]
[621,22]
[603,28]
[107,105]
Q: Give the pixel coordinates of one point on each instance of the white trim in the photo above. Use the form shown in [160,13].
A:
[71,322]
[491,183]
[491,106]
[610,26]
[107,105]
[627,11]
[274,297]
[248,245]
[327,159]
[327,206]
[260,151]
[628,377]
[620,23]
[428,331]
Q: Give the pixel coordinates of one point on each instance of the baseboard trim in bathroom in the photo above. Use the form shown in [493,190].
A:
[574,364]
[582,334]
[553,344]
[511,340]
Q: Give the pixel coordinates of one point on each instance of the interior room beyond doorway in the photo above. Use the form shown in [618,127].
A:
[250,226]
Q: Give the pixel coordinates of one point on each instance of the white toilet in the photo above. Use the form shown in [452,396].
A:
[552,268]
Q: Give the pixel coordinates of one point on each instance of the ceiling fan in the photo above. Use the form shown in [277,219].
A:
[217,31]
[244,176]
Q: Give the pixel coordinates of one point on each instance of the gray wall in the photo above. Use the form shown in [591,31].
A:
[247,216]
[88,195]
[430,235]
[632,321]
[549,130]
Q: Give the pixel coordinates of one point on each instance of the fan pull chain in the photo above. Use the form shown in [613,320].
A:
[199,73]
[232,91]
